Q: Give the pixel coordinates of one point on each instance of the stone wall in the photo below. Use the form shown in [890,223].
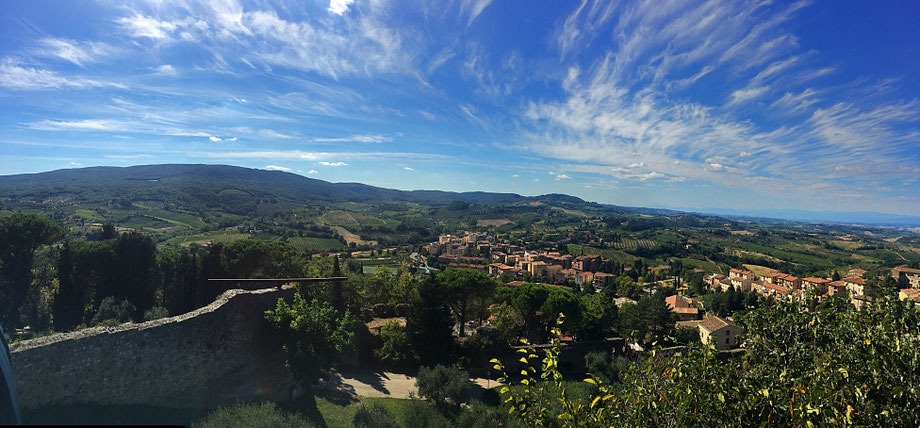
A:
[216,355]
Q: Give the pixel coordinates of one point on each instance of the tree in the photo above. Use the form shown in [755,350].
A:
[251,258]
[806,363]
[314,335]
[108,232]
[507,322]
[648,320]
[884,287]
[562,301]
[429,324]
[446,386]
[464,290]
[377,288]
[599,316]
[68,303]
[113,309]
[395,346]
[338,298]
[20,235]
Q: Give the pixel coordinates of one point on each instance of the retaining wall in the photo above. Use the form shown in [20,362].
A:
[216,355]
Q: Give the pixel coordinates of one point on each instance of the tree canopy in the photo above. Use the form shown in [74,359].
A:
[20,235]
[315,335]
[804,363]
[464,289]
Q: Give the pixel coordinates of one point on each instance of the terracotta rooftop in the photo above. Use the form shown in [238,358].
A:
[712,324]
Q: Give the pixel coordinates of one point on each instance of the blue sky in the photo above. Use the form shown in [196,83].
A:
[702,105]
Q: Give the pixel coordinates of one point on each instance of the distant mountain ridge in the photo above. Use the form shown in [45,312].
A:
[225,187]
[240,190]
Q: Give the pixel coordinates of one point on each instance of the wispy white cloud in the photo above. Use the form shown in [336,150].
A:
[312,171]
[339,7]
[742,95]
[270,133]
[166,70]
[79,53]
[214,139]
[258,36]
[356,139]
[624,114]
[473,8]
[326,163]
[408,169]
[563,177]
[796,102]
[24,78]
[80,125]
[128,157]
[141,26]
[277,168]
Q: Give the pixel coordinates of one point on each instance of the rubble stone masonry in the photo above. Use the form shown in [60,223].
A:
[216,355]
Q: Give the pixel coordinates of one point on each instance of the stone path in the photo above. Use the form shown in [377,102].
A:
[369,383]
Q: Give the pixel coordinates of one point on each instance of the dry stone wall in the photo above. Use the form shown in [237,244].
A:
[216,355]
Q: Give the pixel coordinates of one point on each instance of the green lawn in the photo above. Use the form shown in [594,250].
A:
[702,264]
[89,215]
[221,236]
[340,414]
[336,412]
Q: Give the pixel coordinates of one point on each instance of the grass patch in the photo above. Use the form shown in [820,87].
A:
[702,264]
[337,414]
[181,219]
[89,215]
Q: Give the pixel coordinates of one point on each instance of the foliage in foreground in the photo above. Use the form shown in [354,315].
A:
[315,335]
[807,363]
[264,415]
[374,416]
[445,386]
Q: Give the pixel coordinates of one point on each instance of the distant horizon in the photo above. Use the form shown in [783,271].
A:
[790,105]
[775,214]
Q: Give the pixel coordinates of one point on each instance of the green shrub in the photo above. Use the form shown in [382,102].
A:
[253,415]
[111,322]
[110,308]
[421,414]
[480,415]
[155,313]
[374,416]
[445,386]
[396,347]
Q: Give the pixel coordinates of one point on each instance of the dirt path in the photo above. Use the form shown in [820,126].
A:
[352,237]
[385,384]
